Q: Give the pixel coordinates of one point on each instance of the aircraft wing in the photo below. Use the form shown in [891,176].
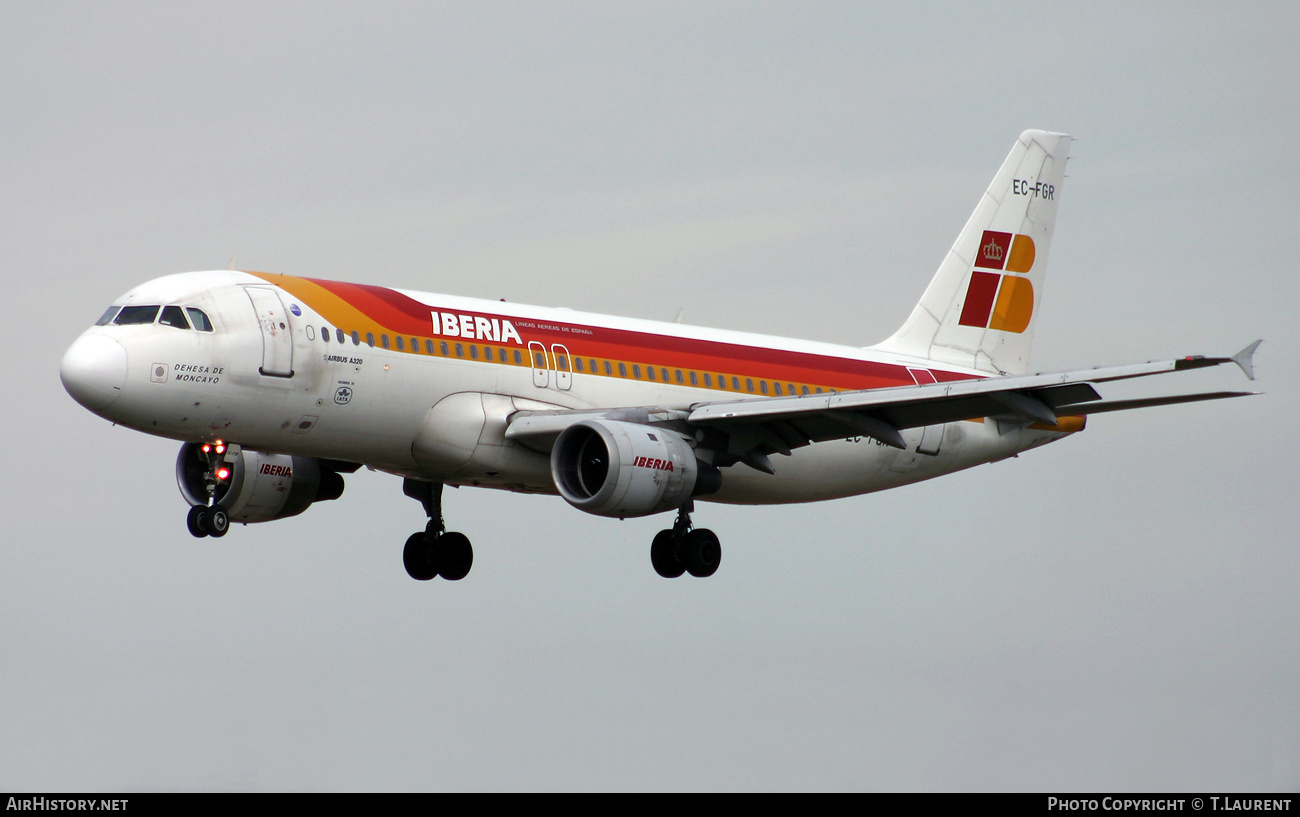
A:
[751,429]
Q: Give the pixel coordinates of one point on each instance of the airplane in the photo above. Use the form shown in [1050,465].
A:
[278,385]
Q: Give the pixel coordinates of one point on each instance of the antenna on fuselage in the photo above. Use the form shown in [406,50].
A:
[231,266]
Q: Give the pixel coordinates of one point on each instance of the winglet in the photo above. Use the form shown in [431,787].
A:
[1246,359]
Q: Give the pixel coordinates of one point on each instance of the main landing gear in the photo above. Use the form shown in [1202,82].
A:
[211,519]
[434,551]
[682,549]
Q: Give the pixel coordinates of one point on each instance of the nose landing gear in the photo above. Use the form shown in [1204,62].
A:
[212,519]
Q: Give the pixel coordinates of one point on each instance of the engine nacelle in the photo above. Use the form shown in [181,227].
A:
[259,487]
[615,468]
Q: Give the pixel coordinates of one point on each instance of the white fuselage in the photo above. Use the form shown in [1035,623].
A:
[266,376]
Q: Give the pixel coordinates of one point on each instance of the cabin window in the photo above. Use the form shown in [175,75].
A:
[311,332]
[356,338]
[325,334]
[722,381]
[592,362]
[131,315]
[370,339]
[473,351]
[695,379]
[487,352]
[460,350]
[401,343]
[415,344]
[562,363]
[107,317]
[539,360]
[735,384]
[650,372]
[384,340]
[622,370]
[608,370]
[519,359]
[428,346]
[805,389]
[577,364]
[677,375]
[749,385]
[708,381]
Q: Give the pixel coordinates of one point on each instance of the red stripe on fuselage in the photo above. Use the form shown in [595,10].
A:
[403,315]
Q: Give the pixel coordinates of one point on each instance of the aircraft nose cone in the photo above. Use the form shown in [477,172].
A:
[94,371]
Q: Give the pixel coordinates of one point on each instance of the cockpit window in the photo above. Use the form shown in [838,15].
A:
[200,319]
[173,316]
[136,314]
[108,316]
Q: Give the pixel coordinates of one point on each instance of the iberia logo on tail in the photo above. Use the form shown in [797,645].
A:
[994,300]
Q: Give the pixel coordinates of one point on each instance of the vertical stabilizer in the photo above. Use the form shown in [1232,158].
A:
[980,306]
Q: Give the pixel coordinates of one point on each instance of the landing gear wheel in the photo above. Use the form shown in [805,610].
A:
[701,552]
[197,521]
[456,555]
[435,551]
[665,555]
[418,556]
[680,548]
[218,521]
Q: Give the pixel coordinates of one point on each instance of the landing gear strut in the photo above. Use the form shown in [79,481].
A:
[434,551]
[211,519]
[682,549]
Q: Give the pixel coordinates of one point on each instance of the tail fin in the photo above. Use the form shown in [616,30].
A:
[979,308]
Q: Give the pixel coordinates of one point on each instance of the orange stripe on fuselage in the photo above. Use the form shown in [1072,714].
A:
[331,305]
[379,311]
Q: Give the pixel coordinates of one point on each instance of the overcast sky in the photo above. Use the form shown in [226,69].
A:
[1117,611]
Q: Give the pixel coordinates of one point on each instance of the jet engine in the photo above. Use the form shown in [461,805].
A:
[615,468]
[255,487]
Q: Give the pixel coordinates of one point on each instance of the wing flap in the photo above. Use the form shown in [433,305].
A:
[1147,402]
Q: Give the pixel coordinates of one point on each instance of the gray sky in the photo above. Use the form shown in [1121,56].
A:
[1117,611]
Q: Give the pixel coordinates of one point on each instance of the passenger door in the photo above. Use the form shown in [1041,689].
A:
[277,334]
